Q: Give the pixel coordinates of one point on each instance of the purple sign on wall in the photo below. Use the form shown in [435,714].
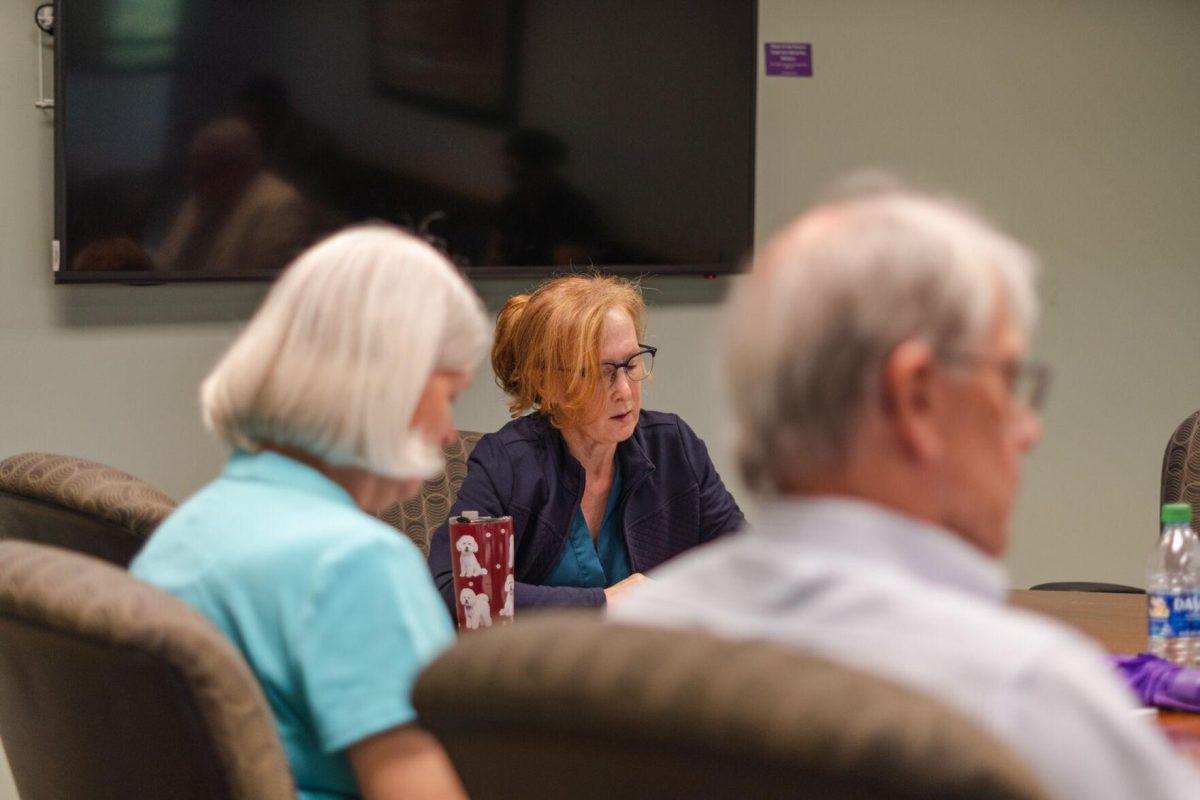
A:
[789,59]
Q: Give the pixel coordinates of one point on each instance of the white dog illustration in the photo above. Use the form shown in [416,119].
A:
[509,585]
[469,566]
[476,608]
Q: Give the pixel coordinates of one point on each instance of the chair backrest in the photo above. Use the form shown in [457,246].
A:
[570,706]
[110,688]
[78,504]
[419,517]
[1181,467]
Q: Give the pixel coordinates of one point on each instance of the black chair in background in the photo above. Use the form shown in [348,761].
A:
[1087,586]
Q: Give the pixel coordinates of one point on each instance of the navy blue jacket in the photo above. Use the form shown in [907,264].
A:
[672,499]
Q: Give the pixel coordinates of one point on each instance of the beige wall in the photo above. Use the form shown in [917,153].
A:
[1072,123]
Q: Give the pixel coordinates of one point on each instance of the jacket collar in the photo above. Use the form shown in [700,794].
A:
[631,454]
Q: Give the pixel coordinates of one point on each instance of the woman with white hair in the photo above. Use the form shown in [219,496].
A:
[335,400]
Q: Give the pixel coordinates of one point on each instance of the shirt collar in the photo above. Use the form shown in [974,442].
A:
[842,527]
[268,466]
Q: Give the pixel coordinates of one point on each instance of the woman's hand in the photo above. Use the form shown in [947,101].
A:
[614,593]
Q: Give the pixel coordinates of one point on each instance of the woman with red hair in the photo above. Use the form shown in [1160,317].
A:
[600,490]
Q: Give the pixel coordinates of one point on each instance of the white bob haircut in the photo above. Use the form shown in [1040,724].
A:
[833,294]
[337,357]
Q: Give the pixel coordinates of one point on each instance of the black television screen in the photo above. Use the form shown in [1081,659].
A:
[214,139]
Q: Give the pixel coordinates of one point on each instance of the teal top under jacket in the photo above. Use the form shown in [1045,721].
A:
[600,563]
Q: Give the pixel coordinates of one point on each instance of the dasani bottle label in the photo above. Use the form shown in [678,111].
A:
[1174,614]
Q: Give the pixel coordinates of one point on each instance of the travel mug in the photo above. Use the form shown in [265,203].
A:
[481,551]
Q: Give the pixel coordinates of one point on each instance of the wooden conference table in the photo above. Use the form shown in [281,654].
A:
[1118,623]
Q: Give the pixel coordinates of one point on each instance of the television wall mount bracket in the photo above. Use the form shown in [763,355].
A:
[44,19]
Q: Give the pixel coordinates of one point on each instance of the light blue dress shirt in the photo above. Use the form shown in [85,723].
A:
[333,609]
[879,591]
[598,563]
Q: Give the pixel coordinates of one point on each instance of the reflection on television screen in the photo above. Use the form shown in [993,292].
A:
[217,139]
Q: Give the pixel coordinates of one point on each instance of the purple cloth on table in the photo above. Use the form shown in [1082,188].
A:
[1160,683]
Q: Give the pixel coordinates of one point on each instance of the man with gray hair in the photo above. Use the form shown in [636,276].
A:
[882,403]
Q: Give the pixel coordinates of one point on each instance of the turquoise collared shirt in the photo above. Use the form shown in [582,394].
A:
[334,611]
[600,563]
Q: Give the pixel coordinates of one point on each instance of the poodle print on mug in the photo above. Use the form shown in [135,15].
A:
[478,612]
[468,564]
[507,609]
[481,552]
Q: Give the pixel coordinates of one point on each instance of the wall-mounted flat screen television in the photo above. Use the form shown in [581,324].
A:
[214,139]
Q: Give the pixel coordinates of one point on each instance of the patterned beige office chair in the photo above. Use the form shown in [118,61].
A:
[78,504]
[1181,467]
[419,517]
[566,705]
[111,689]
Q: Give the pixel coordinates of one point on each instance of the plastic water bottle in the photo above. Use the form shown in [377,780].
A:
[1173,589]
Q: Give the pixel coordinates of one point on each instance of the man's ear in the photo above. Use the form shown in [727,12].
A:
[910,400]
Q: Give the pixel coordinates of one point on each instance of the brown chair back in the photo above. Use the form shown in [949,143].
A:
[1181,468]
[79,505]
[570,706]
[419,517]
[111,689]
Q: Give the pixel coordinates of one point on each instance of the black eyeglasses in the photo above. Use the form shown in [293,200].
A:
[1028,381]
[637,367]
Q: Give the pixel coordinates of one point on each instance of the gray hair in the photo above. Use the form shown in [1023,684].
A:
[337,357]
[833,294]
